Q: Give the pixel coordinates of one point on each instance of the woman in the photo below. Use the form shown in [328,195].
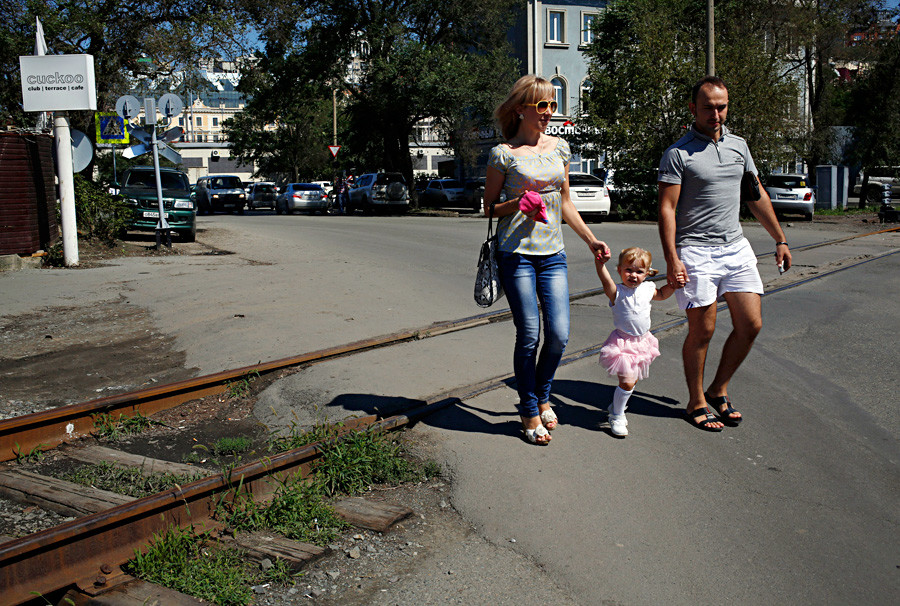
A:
[531,255]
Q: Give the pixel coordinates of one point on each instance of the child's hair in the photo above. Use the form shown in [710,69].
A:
[527,89]
[632,254]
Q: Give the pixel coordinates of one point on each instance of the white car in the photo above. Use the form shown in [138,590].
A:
[589,194]
[791,193]
[328,186]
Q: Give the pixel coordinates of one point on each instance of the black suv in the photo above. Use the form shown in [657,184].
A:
[220,193]
[139,191]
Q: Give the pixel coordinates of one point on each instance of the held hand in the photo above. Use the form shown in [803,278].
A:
[676,274]
[600,250]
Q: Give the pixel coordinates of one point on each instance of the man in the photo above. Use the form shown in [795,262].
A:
[705,250]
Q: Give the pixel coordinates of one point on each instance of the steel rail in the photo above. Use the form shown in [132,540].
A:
[81,550]
[47,429]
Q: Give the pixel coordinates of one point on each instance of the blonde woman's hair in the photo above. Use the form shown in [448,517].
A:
[527,89]
[634,254]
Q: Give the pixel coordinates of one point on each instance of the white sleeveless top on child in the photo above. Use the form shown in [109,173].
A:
[631,309]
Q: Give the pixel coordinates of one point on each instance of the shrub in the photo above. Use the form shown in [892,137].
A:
[98,214]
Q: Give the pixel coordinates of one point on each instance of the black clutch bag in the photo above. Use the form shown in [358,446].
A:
[750,188]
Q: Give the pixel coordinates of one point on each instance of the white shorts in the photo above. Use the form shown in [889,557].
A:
[715,270]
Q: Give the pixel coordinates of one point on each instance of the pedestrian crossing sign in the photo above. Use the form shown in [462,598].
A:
[111,129]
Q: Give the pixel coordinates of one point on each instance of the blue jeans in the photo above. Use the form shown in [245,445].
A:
[526,280]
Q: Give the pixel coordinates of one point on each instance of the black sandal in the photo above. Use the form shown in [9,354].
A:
[723,414]
[692,416]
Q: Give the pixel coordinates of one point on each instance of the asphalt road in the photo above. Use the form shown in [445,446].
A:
[799,504]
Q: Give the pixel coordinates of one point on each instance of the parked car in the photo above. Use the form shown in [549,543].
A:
[138,188]
[791,194]
[219,193]
[261,195]
[878,177]
[328,186]
[443,192]
[379,191]
[589,194]
[308,197]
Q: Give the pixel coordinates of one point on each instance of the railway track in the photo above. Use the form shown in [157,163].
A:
[87,551]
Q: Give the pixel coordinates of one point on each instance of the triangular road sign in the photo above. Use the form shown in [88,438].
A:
[334,149]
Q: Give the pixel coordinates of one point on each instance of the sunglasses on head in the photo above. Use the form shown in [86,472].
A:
[543,106]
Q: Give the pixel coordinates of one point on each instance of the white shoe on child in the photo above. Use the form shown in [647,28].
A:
[619,425]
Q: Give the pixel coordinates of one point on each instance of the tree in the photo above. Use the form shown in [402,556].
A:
[132,41]
[417,59]
[646,56]
[809,37]
[875,107]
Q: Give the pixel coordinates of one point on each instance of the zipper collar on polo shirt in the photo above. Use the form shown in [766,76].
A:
[700,135]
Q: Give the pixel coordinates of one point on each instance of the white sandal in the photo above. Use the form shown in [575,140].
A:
[547,417]
[538,432]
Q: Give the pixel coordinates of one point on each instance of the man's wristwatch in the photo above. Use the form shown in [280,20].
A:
[780,243]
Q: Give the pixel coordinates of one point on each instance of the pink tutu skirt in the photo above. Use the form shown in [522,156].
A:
[624,355]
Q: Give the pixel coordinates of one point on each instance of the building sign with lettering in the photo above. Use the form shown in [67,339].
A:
[58,83]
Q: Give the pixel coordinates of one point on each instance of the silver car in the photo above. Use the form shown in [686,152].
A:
[791,194]
[444,192]
[302,196]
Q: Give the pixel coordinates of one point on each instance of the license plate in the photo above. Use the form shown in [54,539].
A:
[585,194]
[150,214]
[788,196]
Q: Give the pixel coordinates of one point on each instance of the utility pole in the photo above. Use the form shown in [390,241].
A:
[710,38]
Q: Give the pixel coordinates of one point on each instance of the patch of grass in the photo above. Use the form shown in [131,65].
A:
[841,212]
[298,439]
[298,511]
[105,426]
[190,563]
[33,456]
[360,459]
[231,445]
[124,480]
[241,387]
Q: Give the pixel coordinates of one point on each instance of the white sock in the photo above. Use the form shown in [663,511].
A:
[620,401]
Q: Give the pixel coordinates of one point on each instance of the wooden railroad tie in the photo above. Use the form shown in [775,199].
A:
[371,515]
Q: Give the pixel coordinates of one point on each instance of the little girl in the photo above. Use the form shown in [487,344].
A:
[630,348]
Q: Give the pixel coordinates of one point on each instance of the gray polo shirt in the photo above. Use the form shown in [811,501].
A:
[709,172]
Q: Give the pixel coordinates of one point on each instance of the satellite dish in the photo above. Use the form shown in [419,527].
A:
[128,107]
[82,151]
[170,105]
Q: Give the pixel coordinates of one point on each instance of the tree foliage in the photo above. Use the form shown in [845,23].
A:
[647,54]
[132,41]
[875,107]
[394,63]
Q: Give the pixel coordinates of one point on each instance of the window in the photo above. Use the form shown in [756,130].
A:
[199,120]
[587,24]
[215,121]
[559,93]
[556,27]
[585,96]
[181,121]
